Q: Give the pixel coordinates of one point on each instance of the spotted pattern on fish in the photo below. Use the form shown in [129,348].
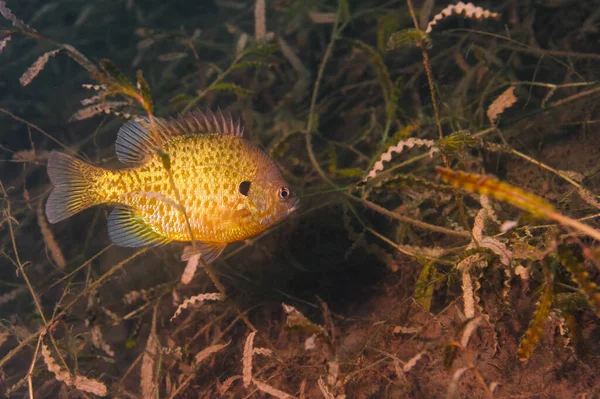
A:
[230,189]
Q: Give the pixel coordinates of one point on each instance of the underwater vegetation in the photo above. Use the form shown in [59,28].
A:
[412,210]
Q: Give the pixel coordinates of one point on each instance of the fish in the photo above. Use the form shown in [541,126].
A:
[229,188]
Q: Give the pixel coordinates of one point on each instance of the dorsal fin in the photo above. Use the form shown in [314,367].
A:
[136,140]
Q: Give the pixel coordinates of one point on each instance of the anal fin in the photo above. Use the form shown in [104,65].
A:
[209,251]
[128,229]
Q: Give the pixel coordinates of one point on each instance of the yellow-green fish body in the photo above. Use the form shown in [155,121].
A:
[229,188]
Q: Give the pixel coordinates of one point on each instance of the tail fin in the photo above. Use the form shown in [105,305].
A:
[74,186]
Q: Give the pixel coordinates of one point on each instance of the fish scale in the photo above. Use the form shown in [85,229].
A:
[206,189]
[229,188]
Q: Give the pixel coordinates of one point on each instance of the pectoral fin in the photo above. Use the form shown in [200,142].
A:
[209,251]
[128,229]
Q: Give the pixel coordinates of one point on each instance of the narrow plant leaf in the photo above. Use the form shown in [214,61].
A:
[424,287]
[298,322]
[172,56]
[262,352]
[349,172]
[453,385]
[99,342]
[51,244]
[196,299]
[581,277]
[402,134]
[105,107]
[387,24]
[321,17]
[249,64]
[206,352]
[266,388]
[344,10]
[146,294]
[262,50]
[79,382]
[468,330]
[81,59]
[116,74]
[505,100]
[224,387]
[332,160]
[232,87]
[411,363]
[147,372]
[144,89]
[499,190]
[180,98]
[325,391]
[516,196]
[470,10]
[12,295]
[536,325]
[471,262]
[468,294]
[408,38]
[17,23]
[247,359]
[449,356]
[458,142]
[3,42]
[36,68]
[585,194]
[190,269]
[398,148]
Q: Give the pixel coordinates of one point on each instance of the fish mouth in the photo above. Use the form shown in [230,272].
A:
[295,206]
[269,221]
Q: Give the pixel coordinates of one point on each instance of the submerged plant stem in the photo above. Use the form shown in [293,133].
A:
[430,81]
[544,166]
[577,225]
[34,127]
[217,80]
[414,222]
[36,299]
[313,101]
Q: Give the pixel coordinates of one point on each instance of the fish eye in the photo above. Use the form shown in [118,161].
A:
[283,193]
[244,188]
